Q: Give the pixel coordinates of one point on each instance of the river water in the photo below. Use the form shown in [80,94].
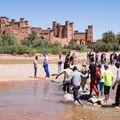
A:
[43,100]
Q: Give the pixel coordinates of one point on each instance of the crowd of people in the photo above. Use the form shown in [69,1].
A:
[95,68]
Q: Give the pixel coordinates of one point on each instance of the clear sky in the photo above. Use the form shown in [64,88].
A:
[104,15]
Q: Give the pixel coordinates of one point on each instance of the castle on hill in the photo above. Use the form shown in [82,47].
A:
[61,33]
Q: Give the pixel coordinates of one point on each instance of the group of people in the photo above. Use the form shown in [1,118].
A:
[101,78]
[102,58]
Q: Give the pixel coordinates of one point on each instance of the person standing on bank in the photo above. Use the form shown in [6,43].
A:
[35,63]
[96,57]
[117,82]
[45,65]
[59,62]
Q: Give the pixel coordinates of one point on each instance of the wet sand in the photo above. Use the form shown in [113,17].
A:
[43,100]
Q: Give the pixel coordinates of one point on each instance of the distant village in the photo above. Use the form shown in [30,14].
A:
[61,33]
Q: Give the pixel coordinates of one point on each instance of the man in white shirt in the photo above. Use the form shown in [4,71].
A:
[117,82]
[45,65]
[67,77]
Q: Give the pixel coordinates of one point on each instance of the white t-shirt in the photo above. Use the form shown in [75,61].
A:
[35,63]
[59,60]
[45,59]
[68,74]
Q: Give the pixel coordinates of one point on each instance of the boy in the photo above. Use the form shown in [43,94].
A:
[35,66]
[108,79]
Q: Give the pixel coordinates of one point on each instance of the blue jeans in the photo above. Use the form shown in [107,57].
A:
[46,68]
[100,86]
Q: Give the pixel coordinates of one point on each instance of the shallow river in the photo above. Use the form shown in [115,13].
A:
[42,100]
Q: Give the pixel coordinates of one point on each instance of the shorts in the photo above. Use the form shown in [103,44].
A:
[107,90]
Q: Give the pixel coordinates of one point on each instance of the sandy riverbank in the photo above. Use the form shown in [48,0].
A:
[21,67]
[21,72]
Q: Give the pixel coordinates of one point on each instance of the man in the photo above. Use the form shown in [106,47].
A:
[117,82]
[108,79]
[84,79]
[59,62]
[66,82]
[93,82]
[96,57]
[76,81]
[100,82]
[45,65]
[72,59]
[67,60]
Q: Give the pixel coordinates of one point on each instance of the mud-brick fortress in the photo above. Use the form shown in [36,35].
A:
[58,32]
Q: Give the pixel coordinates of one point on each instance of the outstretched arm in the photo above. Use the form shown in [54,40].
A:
[84,75]
[59,74]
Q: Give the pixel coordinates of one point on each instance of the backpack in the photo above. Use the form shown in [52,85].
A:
[98,74]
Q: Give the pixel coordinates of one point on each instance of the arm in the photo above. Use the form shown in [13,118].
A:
[116,81]
[84,76]
[60,74]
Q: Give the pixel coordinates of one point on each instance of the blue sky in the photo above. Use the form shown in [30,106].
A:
[102,14]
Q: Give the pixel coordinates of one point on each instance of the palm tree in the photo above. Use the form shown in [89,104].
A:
[108,37]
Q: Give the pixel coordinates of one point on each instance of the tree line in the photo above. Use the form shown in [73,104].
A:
[34,44]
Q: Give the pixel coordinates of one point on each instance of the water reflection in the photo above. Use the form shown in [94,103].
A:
[41,100]
[35,87]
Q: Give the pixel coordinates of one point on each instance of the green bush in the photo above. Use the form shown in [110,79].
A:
[39,43]
[74,46]
[101,46]
[16,49]
[7,39]
[55,50]
[27,42]
[64,51]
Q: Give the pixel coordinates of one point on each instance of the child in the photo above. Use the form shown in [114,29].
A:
[35,66]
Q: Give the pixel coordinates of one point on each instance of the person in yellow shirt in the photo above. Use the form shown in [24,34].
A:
[108,78]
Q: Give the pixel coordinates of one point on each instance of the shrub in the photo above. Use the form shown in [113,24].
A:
[7,39]
[55,50]
[27,42]
[39,43]
[16,49]
[64,51]
[101,46]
